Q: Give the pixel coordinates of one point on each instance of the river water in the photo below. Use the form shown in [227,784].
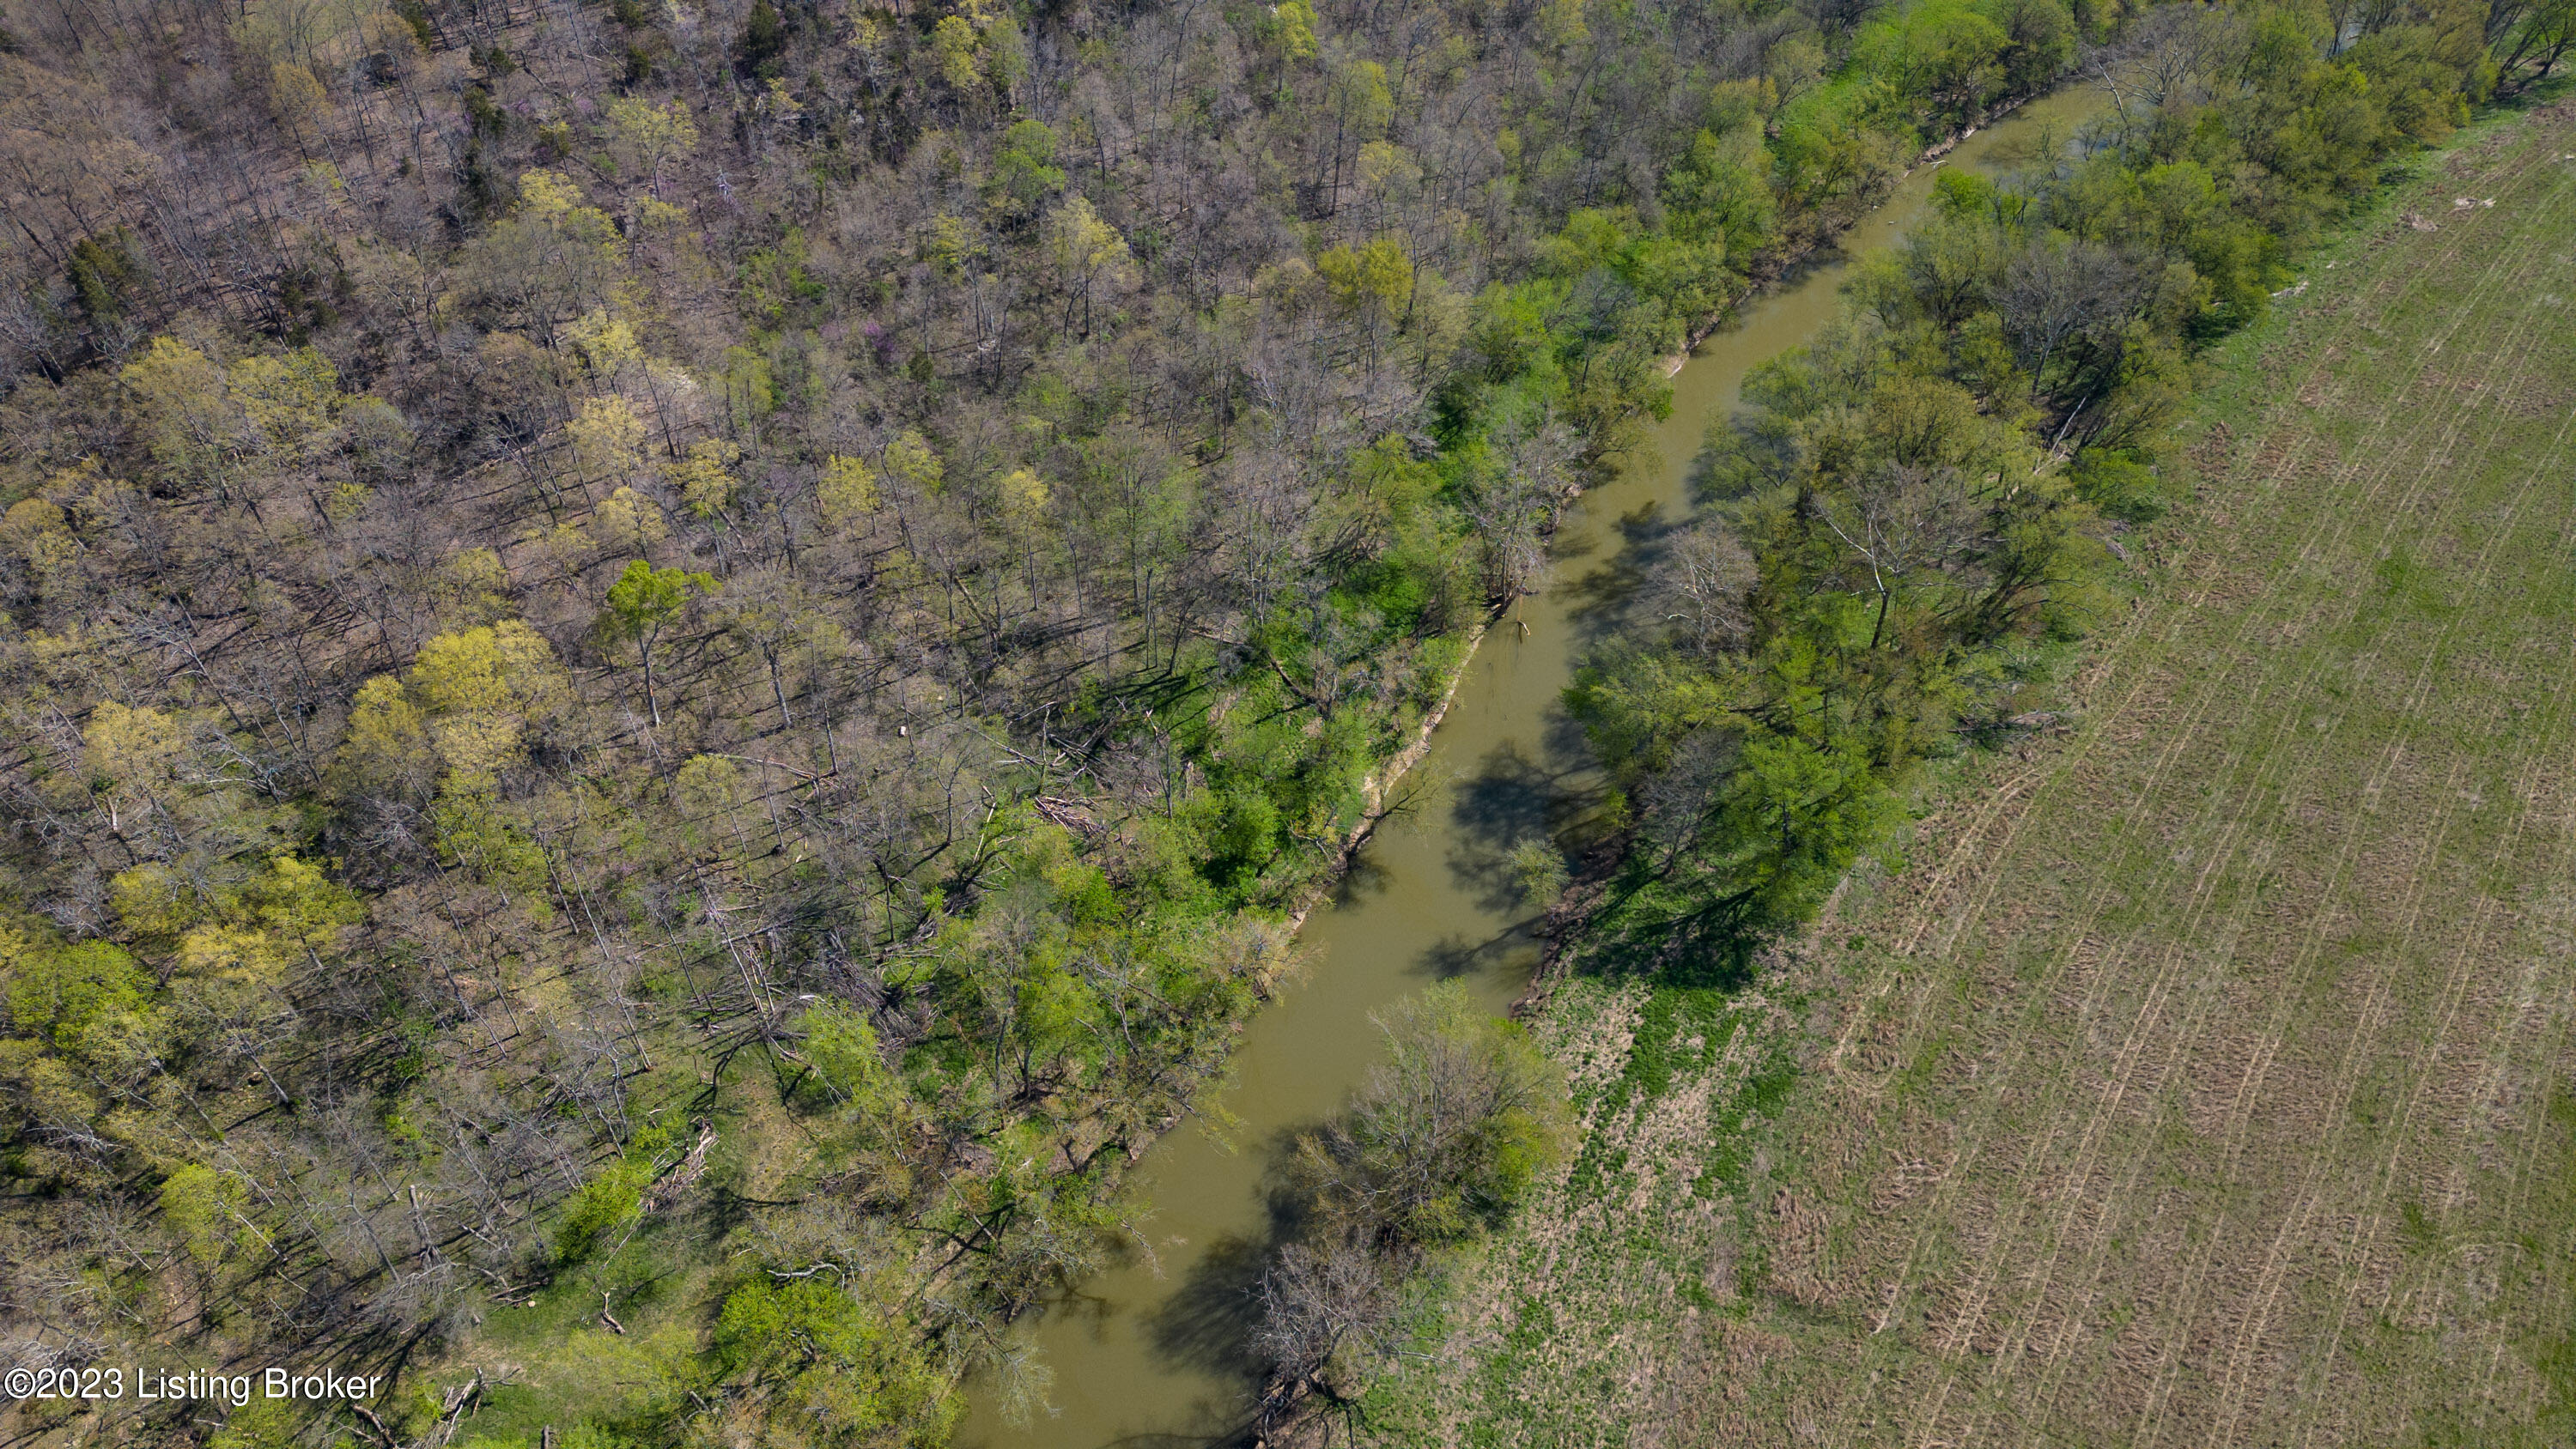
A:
[1150,1353]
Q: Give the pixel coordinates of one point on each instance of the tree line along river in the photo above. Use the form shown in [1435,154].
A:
[1151,1352]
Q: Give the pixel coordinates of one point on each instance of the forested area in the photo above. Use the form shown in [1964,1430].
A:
[668,668]
[1915,517]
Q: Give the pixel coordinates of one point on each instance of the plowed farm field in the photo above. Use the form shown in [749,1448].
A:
[2206,1076]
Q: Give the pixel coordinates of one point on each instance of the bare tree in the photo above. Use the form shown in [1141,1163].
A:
[1702,584]
[2058,295]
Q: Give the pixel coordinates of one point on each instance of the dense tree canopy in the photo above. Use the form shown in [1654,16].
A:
[1913,509]
[668,667]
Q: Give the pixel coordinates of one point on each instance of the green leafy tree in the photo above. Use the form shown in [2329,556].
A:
[836,1355]
[1447,1136]
[187,414]
[764,39]
[1024,170]
[642,603]
[647,137]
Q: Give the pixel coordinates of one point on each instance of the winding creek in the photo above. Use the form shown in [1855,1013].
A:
[1149,1353]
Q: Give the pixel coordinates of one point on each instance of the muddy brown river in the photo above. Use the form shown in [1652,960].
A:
[1151,1353]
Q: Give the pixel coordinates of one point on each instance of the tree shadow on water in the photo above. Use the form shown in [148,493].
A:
[1508,798]
[1510,802]
[1074,1303]
[1457,956]
[1206,1325]
[1579,789]
[1363,878]
[1601,601]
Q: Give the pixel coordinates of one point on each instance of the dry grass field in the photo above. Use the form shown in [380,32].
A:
[2205,1078]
